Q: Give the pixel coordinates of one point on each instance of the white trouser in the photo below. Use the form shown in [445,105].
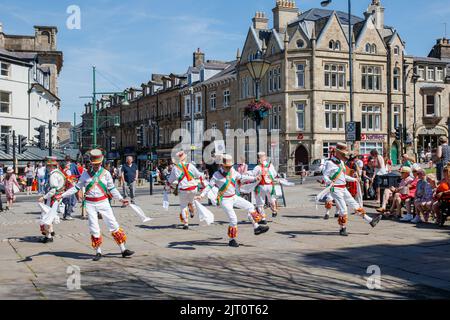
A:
[264,191]
[342,197]
[228,205]
[104,208]
[328,199]
[186,197]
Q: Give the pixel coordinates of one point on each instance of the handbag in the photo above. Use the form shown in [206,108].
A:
[15,189]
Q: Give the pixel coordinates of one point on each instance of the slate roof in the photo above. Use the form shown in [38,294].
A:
[36,154]
[317,14]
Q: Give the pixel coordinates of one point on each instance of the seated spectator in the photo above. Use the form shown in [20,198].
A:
[423,201]
[411,193]
[397,195]
[442,194]
[367,177]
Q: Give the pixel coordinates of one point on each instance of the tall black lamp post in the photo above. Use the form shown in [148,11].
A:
[258,67]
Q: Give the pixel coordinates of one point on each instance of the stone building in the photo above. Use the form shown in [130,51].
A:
[308,82]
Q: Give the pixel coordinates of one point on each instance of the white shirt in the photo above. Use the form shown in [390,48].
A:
[265,172]
[382,167]
[184,184]
[219,179]
[41,172]
[331,167]
[95,192]
[56,182]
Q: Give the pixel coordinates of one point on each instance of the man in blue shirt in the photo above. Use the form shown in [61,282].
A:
[129,177]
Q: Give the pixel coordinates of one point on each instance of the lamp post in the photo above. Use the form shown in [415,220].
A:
[258,67]
[94,104]
[350,53]
[415,77]
[191,92]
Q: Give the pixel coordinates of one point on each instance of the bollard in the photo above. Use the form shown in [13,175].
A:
[151,184]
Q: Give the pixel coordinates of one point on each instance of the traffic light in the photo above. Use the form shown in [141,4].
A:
[6,148]
[399,132]
[22,144]
[40,137]
[113,143]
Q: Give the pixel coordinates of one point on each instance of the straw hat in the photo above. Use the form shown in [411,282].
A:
[96,156]
[9,170]
[443,139]
[51,161]
[227,160]
[342,149]
[405,169]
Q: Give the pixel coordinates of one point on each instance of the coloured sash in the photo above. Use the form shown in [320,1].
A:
[267,166]
[96,181]
[185,173]
[228,181]
[336,175]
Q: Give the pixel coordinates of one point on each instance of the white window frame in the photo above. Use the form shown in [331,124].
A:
[396,79]
[335,112]
[226,127]
[366,146]
[326,147]
[440,74]
[226,98]
[431,71]
[300,72]
[335,72]
[198,103]
[434,105]
[5,69]
[300,114]
[397,115]
[7,103]
[371,118]
[213,101]
[421,72]
[187,105]
[371,74]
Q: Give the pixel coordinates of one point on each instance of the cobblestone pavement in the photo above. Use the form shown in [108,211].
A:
[301,257]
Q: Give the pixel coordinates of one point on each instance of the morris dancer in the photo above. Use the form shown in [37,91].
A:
[335,177]
[226,179]
[56,185]
[328,199]
[186,174]
[99,186]
[266,187]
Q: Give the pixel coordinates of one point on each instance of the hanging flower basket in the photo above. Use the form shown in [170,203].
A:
[257,110]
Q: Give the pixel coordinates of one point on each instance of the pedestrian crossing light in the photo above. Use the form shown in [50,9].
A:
[5,147]
[22,144]
[40,137]
[398,132]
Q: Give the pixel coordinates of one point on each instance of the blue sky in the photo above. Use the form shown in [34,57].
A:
[130,40]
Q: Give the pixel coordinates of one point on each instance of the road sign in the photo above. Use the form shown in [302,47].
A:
[219,146]
[353,131]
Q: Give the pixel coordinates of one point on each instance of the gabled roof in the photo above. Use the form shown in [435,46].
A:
[228,73]
[317,14]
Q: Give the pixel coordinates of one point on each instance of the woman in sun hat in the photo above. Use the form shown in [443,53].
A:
[11,187]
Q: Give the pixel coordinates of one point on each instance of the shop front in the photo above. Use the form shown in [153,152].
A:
[428,139]
[370,142]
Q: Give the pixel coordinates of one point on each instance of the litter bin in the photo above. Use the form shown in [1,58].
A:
[388,180]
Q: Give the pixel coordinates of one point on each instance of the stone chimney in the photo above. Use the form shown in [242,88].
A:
[1,27]
[199,58]
[260,21]
[377,11]
[283,13]
[441,49]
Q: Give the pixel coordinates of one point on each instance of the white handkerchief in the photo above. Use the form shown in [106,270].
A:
[203,213]
[166,200]
[140,213]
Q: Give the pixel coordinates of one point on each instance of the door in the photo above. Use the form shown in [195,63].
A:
[394,154]
[301,158]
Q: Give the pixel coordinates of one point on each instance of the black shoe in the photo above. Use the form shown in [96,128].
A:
[185,227]
[343,232]
[336,215]
[97,257]
[274,214]
[53,234]
[326,217]
[45,240]
[375,220]
[263,222]
[261,229]
[233,243]
[127,253]
[99,216]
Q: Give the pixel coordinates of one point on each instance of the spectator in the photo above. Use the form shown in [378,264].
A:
[11,187]
[130,175]
[2,172]
[397,195]
[442,194]
[72,175]
[242,167]
[388,163]
[406,161]
[424,196]
[368,177]
[40,175]
[443,156]
[380,169]
[412,187]
[29,175]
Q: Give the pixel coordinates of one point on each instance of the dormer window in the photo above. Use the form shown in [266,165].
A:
[337,46]
[371,48]
[396,50]
[300,43]
[331,45]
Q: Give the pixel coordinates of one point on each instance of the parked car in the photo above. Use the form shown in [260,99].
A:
[316,167]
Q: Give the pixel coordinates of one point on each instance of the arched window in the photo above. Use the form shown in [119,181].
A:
[396,79]
[331,45]
[337,46]
[300,43]
[374,49]
[368,48]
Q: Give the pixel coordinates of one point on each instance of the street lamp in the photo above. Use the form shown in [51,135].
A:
[258,67]
[350,53]
[415,77]
[191,92]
